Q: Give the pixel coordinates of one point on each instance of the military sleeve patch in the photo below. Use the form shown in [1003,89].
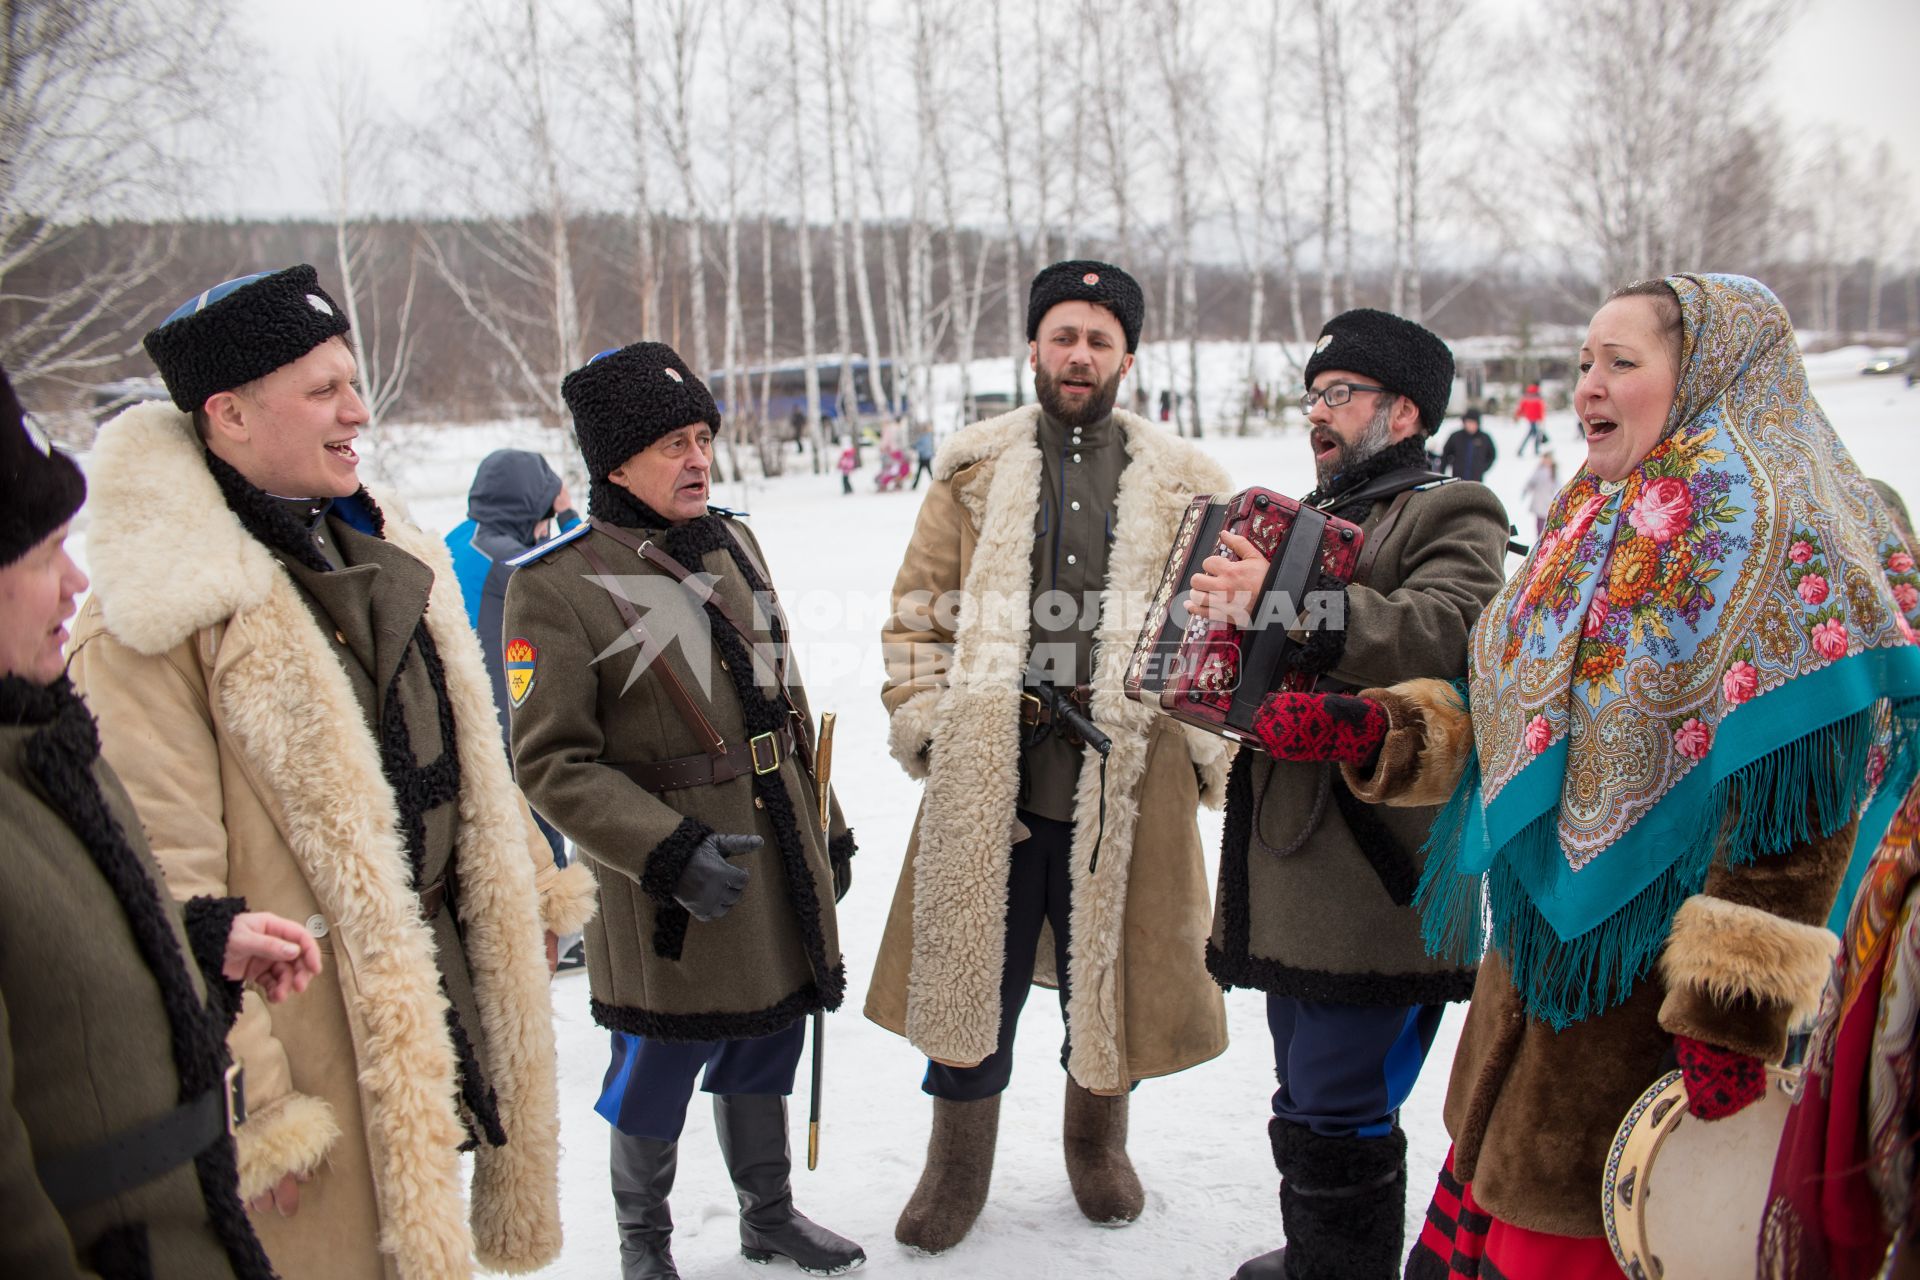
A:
[520,659]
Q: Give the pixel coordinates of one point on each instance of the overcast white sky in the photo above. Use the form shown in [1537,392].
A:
[1853,64]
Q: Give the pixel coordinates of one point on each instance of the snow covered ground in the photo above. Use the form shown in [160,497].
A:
[1198,1138]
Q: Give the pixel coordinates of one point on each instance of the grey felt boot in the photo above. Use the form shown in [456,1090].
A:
[953,1187]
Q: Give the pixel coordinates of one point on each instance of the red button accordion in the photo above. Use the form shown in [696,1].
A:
[1213,674]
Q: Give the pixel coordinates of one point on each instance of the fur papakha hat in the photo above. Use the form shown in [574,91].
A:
[1397,353]
[1084,280]
[40,487]
[241,330]
[626,398]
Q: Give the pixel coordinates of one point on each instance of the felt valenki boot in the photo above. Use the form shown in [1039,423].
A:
[953,1187]
[1094,1135]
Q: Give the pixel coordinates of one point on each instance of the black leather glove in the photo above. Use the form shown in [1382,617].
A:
[710,885]
[842,878]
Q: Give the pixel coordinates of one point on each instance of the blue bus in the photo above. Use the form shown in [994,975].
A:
[788,389]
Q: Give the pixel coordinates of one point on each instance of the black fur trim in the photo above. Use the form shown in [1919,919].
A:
[209,923]
[1232,963]
[1322,650]
[1445,986]
[1399,874]
[264,516]
[663,869]
[247,334]
[762,711]
[608,501]
[418,789]
[122,1253]
[1409,454]
[1320,1163]
[725,1026]
[842,847]
[481,1109]
[61,758]
[1342,1200]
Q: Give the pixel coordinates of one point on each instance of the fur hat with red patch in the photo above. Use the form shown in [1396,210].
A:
[1084,280]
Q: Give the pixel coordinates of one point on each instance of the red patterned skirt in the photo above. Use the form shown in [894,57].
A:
[1462,1241]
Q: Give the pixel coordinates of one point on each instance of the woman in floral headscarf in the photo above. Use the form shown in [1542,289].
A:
[1675,710]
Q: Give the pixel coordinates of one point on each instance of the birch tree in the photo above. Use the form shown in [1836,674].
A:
[804,233]
[107,111]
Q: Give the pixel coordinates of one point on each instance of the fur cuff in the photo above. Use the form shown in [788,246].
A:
[1729,953]
[1429,733]
[910,731]
[670,857]
[290,1135]
[1212,757]
[568,900]
[841,847]
[209,923]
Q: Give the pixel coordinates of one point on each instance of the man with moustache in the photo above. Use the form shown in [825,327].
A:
[1315,891]
[1035,859]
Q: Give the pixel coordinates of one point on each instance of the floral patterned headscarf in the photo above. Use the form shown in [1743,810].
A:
[1692,660]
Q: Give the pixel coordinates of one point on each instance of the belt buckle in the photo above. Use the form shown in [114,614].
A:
[235,1089]
[1030,700]
[773,752]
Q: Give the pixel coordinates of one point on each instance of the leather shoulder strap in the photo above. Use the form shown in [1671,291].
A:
[682,700]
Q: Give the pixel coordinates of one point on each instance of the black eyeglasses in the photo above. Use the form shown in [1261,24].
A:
[1336,394]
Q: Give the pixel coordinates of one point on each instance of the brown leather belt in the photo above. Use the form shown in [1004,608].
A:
[760,754]
[437,895]
[1035,712]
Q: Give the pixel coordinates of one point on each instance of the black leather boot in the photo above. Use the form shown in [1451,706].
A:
[752,1128]
[643,1170]
[1343,1202]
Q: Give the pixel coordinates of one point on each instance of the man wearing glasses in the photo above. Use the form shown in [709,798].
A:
[1316,887]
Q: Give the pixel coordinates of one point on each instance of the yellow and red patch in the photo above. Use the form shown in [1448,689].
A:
[520,657]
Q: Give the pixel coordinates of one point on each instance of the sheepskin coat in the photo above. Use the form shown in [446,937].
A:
[229,713]
[1532,1110]
[1142,1004]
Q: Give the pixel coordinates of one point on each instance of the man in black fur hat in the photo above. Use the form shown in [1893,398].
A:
[289,687]
[658,721]
[116,1115]
[1313,904]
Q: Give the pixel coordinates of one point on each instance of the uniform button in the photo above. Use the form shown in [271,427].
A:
[1076,457]
[758,803]
[341,636]
[1072,560]
[317,925]
[1076,506]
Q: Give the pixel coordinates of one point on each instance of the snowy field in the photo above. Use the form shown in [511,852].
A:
[1198,1138]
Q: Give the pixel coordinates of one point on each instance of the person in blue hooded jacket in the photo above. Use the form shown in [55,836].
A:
[515,501]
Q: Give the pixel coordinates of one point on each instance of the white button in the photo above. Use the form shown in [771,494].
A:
[1076,457]
[317,925]
[1071,560]
[1076,506]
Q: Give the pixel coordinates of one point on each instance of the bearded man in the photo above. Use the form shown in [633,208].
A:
[1036,859]
[1315,893]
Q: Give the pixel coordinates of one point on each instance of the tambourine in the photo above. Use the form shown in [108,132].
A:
[1683,1198]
